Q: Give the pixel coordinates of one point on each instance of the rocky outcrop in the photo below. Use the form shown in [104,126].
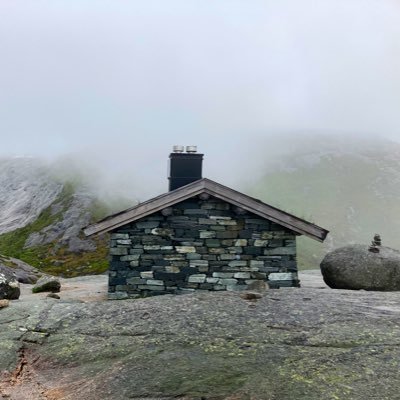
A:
[47,284]
[9,286]
[289,344]
[26,189]
[23,272]
[355,267]
[67,229]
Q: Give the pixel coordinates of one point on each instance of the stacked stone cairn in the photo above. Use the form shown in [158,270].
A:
[199,244]
[375,244]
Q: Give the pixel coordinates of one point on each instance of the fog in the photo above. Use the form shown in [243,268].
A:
[116,83]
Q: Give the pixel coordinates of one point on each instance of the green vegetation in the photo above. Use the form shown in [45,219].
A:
[53,258]
[353,196]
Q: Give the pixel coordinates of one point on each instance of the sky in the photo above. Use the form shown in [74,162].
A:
[119,82]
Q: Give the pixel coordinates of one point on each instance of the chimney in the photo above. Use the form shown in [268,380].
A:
[184,167]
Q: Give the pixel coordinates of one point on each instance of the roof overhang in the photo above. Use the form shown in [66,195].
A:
[217,190]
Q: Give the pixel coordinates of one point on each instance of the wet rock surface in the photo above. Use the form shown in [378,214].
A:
[293,343]
[355,267]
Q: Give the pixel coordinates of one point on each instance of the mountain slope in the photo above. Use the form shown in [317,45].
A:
[42,216]
[349,187]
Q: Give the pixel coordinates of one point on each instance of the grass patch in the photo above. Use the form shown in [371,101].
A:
[53,258]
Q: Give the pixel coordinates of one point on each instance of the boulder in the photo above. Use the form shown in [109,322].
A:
[355,267]
[9,286]
[24,273]
[47,284]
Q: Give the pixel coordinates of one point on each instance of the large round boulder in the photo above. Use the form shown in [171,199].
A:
[9,286]
[355,267]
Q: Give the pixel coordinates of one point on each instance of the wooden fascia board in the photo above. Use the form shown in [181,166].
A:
[145,209]
[266,211]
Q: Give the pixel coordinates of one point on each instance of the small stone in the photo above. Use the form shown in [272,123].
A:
[250,295]
[241,242]
[4,303]
[53,296]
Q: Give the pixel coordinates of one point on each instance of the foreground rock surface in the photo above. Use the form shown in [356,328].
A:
[9,286]
[297,344]
[354,267]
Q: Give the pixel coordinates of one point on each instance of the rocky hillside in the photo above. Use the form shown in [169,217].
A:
[42,216]
[348,186]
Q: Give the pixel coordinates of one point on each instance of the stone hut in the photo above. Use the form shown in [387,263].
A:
[200,235]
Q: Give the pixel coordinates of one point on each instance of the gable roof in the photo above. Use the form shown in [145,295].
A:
[217,190]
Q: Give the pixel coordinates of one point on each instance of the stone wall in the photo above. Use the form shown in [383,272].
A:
[199,244]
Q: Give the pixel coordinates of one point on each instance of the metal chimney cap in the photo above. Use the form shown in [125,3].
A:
[178,149]
[191,149]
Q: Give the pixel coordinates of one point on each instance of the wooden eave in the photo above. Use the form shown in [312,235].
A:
[217,190]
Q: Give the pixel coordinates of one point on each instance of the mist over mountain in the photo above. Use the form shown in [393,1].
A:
[44,207]
[350,186]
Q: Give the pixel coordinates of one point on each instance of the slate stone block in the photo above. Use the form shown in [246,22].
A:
[212,243]
[185,249]
[252,250]
[147,224]
[118,251]
[197,278]
[170,277]
[116,235]
[245,234]
[207,234]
